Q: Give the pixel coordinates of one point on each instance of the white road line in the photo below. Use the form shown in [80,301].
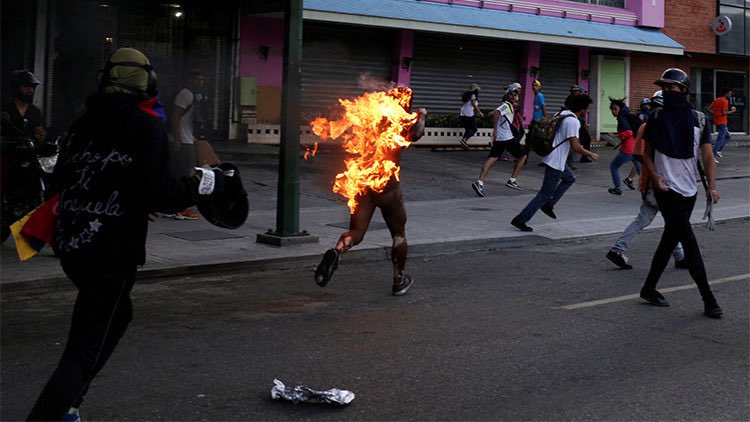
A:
[635,296]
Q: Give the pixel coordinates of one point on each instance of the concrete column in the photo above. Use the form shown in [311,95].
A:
[584,70]
[403,48]
[530,60]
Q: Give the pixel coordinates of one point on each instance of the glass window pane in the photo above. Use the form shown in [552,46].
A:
[739,3]
[734,41]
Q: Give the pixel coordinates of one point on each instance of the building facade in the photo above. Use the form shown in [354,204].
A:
[613,48]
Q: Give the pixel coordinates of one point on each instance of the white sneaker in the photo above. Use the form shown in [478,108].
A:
[478,189]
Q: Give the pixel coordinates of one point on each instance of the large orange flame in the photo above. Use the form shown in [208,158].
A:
[373,125]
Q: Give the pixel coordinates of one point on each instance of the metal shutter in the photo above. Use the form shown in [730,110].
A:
[445,65]
[558,70]
[335,59]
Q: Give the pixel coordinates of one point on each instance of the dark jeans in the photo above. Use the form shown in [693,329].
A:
[555,184]
[101,315]
[470,126]
[676,210]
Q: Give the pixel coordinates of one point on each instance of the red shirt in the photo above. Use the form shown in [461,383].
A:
[718,106]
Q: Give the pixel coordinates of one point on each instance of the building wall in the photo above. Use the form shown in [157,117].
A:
[646,68]
[687,22]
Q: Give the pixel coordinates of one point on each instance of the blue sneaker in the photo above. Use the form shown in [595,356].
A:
[72,416]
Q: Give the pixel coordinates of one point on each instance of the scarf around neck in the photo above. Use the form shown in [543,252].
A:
[673,132]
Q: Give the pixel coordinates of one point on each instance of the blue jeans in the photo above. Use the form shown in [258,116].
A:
[646,215]
[617,162]
[722,139]
[555,184]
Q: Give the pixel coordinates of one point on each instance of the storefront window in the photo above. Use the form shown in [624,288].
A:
[610,3]
[736,41]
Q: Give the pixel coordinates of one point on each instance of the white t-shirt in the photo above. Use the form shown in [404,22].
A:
[504,121]
[467,110]
[569,127]
[679,174]
[184,99]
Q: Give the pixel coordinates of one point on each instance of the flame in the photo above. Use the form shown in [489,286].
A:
[373,127]
[310,152]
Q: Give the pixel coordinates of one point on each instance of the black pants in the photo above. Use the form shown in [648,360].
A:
[101,315]
[676,210]
[470,126]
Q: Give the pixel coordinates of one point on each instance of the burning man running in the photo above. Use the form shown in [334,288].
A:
[391,204]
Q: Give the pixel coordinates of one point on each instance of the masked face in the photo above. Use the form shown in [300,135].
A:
[25,93]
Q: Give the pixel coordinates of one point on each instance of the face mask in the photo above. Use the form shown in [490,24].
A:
[27,98]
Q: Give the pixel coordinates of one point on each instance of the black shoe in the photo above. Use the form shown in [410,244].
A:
[401,288]
[712,310]
[517,223]
[654,297]
[478,189]
[326,268]
[615,191]
[547,209]
[628,183]
[682,264]
[464,145]
[619,259]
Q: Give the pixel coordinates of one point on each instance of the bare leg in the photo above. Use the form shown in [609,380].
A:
[394,213]
[358,224]
[486,168]
[519,166]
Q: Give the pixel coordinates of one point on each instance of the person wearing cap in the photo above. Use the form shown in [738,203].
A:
[540,103]
[112,171]
[468,112]
[649,208]
[674,138]
[24,117]
[23,113]
[505,137]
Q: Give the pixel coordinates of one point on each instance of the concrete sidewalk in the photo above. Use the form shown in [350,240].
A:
[450,222]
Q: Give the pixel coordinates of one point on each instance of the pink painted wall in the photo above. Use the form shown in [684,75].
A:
[403,47]
[531,57]
[565,9]
[584,55]
[260,31]
[649,12]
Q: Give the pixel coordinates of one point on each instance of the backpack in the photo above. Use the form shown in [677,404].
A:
[542,134]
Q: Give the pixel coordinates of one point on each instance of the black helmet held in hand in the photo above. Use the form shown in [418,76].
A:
[229,210]
[675,76]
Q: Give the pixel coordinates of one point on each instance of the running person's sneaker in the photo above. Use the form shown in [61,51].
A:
[400,289]
[72,416]
[549,210]
[719,154]
[615,191]
[512,184]
[629,183]
[327,266]
[478,189]
[186,214]
[520,225]
[653,297]
[712,309]
[464,144]
[619,259]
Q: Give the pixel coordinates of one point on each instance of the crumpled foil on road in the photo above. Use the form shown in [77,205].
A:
[301,393]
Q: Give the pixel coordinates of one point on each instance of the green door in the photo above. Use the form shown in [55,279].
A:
[613,85]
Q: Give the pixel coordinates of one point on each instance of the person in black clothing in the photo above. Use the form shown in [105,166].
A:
[24,116]
[673,139]
[113,170]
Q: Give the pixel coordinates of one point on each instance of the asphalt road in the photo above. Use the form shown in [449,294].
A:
[481,335]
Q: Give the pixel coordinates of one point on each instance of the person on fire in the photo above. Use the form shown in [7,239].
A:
[113,170]
[391,203]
